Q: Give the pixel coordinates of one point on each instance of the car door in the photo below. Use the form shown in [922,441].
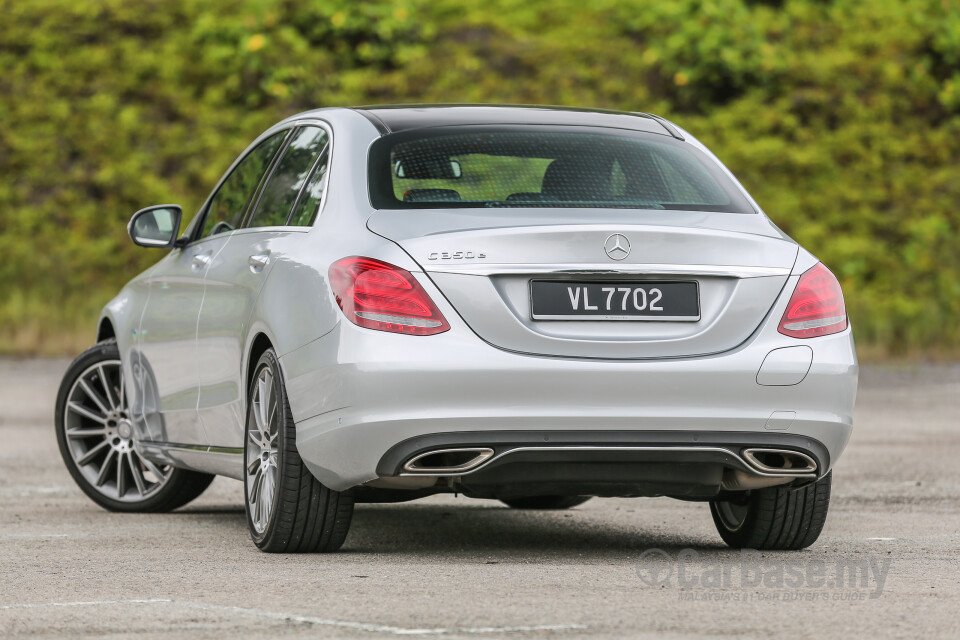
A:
[166,370]
[164,364]
[237,275]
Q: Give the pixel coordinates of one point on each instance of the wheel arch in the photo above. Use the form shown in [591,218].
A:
[258,346]
[106,330]
[120,318]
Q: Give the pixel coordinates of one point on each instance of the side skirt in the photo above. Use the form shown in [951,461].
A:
[222,461]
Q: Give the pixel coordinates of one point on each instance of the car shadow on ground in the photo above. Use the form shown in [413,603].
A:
[442,529]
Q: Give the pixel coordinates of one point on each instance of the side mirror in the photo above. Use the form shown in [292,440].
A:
[156,226]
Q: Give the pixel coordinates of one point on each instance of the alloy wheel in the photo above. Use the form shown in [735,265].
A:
[99,433]
[262,452]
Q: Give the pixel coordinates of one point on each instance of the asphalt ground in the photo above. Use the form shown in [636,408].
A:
[886,566]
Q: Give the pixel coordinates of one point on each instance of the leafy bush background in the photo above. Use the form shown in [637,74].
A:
[842,118]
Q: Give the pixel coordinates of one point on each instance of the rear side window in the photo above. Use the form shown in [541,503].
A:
[289,177]
[309,204]
[482,166]
[229,203]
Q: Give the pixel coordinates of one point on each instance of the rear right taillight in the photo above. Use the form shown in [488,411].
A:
[379,295]
[816,307]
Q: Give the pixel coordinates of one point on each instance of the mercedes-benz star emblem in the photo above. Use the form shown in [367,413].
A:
[617,246]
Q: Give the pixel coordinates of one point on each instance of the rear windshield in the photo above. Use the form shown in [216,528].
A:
[472,167]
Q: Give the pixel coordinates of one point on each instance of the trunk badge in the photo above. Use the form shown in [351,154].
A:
[617,246]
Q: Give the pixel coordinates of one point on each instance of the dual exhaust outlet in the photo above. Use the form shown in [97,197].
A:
[778,463]
[448,461]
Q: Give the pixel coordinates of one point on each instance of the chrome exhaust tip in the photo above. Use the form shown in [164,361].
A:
[780,461]
[448,461]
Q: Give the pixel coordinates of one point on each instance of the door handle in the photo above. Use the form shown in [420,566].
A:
[258,262]
[200,260]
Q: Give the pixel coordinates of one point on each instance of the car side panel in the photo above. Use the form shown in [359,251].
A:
[232,289]
[165,367]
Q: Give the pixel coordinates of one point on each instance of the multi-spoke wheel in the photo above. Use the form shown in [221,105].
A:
[261,452]
[95,433]
[288,510]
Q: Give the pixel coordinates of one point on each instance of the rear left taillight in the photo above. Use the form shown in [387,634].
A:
[379,295]
[816,307]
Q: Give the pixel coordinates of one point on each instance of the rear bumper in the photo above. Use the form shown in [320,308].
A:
[602,463]
[642,446]
[357,394]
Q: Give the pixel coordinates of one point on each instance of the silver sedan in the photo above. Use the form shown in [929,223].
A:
[528,304]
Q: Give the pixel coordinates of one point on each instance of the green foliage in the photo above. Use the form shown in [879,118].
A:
[842,118]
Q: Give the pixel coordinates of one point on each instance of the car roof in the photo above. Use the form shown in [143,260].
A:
[402,117]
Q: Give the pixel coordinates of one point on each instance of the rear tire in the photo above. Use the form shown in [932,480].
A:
[546,502]
[288,510]
[94,433]
[775,518]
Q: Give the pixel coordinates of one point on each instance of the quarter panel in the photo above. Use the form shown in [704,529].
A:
[297,307]
[296,303]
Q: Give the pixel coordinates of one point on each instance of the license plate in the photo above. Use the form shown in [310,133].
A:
[664,301]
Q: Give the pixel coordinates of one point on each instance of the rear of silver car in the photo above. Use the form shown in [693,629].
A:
[400,399]
[598,348]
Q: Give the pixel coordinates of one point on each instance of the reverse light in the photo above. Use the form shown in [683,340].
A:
[378,295]
[816,307]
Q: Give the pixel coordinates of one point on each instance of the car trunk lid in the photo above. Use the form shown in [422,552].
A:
[483,261]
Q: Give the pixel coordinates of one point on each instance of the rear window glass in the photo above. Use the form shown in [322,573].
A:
[475,167]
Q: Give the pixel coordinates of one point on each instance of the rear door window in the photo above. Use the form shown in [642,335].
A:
[288,178]
[309,204]
[229,203]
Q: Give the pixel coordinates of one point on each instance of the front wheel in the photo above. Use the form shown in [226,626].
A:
[545,502]
[288,510]
[95,435]
[776,518]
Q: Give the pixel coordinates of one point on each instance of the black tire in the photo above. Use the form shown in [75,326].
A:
[181,486]
[775,518]
[306,516]
[545,502]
